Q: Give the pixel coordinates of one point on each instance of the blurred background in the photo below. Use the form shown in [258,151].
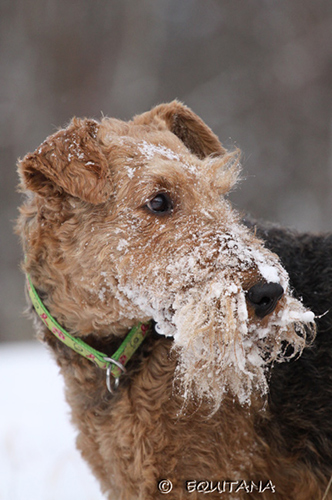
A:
[259,72]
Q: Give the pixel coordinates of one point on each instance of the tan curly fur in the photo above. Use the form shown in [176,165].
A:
[193,404]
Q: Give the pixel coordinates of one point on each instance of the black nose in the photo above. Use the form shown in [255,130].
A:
[264,297]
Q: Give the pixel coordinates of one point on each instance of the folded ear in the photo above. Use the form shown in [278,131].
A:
[187,126]
[69,161]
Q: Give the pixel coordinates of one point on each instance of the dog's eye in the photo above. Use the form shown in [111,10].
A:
[160,204]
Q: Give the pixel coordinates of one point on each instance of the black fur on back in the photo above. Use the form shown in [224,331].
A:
[301,390]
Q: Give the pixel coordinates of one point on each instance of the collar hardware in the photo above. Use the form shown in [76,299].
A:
[109,373]
[114,365]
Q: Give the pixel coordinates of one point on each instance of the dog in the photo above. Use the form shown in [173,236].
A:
[185,333]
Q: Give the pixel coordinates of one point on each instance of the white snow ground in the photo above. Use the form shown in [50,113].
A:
[38,459]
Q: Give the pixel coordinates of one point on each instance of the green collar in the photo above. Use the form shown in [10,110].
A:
[114,365]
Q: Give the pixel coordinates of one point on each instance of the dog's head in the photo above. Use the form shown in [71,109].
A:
[127,221]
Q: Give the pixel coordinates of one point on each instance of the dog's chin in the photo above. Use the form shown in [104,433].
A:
[240,366]
[220,348]
[211,380]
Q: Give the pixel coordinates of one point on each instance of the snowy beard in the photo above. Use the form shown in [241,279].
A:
[219,349]
[221,352]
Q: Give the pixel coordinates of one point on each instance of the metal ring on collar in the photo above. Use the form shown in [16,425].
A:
[108,374]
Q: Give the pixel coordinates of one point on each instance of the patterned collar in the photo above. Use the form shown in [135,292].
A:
[114,365]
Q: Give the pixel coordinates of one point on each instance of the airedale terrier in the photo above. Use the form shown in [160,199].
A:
[191,367]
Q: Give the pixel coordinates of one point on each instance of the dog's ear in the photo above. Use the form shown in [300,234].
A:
[69,161]
[187,126]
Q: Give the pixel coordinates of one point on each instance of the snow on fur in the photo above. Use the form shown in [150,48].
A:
[204,309]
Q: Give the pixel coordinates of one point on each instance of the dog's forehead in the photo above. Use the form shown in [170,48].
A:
[154,153]
[160,157]
[143,141]
[149,150]
[136,152]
